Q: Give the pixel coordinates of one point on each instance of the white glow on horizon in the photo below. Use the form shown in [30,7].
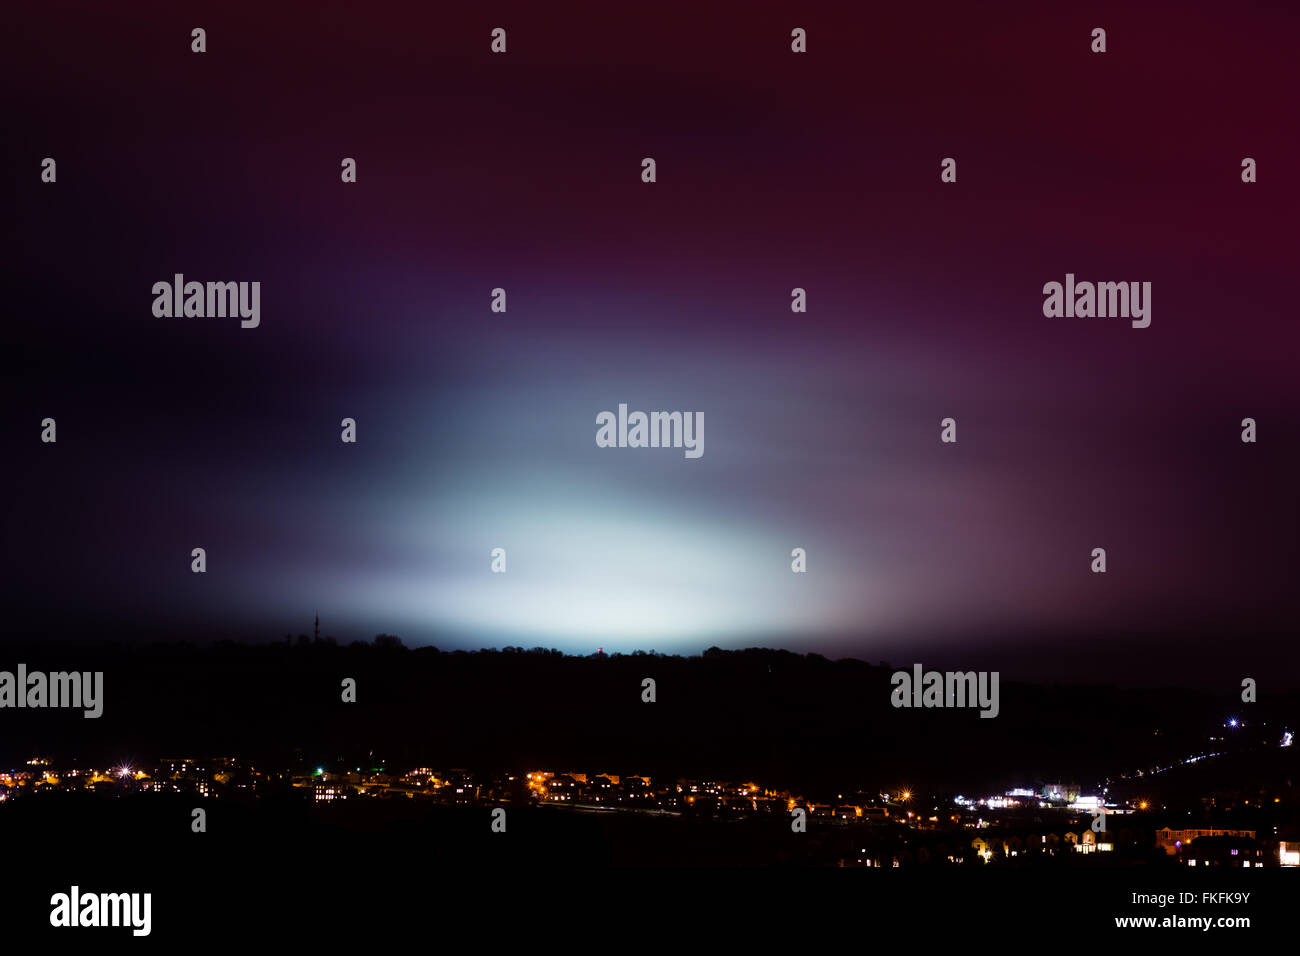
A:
[606,574]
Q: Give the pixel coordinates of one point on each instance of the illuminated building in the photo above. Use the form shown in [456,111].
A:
[1230,851]
[846,813]
[1094,843]
[324,792]
[181,766]
[1172,840]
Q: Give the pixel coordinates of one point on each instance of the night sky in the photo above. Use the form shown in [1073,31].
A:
[477,430]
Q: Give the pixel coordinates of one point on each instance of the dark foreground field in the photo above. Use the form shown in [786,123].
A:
[286,873]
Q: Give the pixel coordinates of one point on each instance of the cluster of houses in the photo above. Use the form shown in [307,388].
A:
[1200,847]
[860,829]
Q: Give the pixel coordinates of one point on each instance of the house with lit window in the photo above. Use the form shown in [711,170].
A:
[1171,841]
[1223,851]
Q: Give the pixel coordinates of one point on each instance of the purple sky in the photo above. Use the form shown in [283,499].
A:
[775,170]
